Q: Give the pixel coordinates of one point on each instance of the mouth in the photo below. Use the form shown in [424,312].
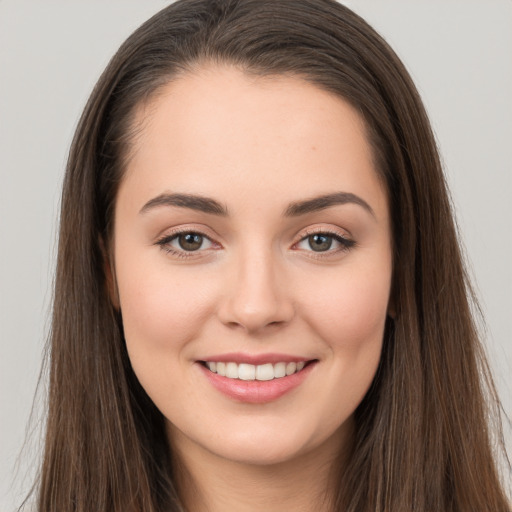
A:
[256,383]
[251,372]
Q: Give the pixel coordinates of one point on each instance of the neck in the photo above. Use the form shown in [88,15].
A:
[210,483]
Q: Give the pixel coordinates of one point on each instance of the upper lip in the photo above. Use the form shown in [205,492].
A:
[255,359]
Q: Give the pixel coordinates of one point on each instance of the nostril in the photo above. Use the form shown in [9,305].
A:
[234,325]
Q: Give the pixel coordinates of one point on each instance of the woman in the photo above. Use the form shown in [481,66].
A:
[260,302]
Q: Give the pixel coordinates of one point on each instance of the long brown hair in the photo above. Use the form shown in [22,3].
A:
[423,439]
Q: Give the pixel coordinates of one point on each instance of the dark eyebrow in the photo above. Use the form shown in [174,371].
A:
[194,202]
[321,202]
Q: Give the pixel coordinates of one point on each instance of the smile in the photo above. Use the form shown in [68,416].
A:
[261,382]
[249,372]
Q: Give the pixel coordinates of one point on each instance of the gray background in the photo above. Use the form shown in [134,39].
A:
[51,53]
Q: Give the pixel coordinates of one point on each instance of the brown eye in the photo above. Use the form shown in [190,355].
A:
[187,242]
[190,241]
[330,243]
[320,242]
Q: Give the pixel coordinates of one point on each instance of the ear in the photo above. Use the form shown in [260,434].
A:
[110,274]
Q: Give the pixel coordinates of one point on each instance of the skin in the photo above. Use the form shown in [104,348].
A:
[254,145]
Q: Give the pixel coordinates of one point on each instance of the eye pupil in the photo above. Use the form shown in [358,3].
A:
[320,242]
[190,241]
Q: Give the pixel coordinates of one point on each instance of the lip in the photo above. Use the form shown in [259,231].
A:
[255,359]
[257,392]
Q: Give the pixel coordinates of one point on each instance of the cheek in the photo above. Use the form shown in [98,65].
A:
[161,309]
[163,313]
[349,311]
[350,319]
[346,312]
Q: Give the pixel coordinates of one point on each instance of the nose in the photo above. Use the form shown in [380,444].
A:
[256,297]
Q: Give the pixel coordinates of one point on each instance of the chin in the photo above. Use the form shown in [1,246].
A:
[262,446]
[264,453]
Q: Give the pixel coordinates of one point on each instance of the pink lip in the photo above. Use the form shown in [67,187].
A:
[239,358]
[256,392]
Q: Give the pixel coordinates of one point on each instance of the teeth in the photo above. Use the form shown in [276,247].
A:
[291,368]
[245,371]
[232,370]
[264,372]
[279,370]
[221,369]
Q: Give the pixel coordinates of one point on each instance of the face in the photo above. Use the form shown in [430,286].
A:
[252,256]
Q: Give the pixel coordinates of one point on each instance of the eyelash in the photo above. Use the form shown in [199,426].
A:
[345,243]
[167,239]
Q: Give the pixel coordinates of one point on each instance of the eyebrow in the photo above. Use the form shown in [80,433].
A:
[191,201]
[295,209]
[326,201]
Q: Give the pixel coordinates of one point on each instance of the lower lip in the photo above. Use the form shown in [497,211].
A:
[256,391]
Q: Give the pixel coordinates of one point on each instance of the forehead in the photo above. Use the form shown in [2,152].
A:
[220,127]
